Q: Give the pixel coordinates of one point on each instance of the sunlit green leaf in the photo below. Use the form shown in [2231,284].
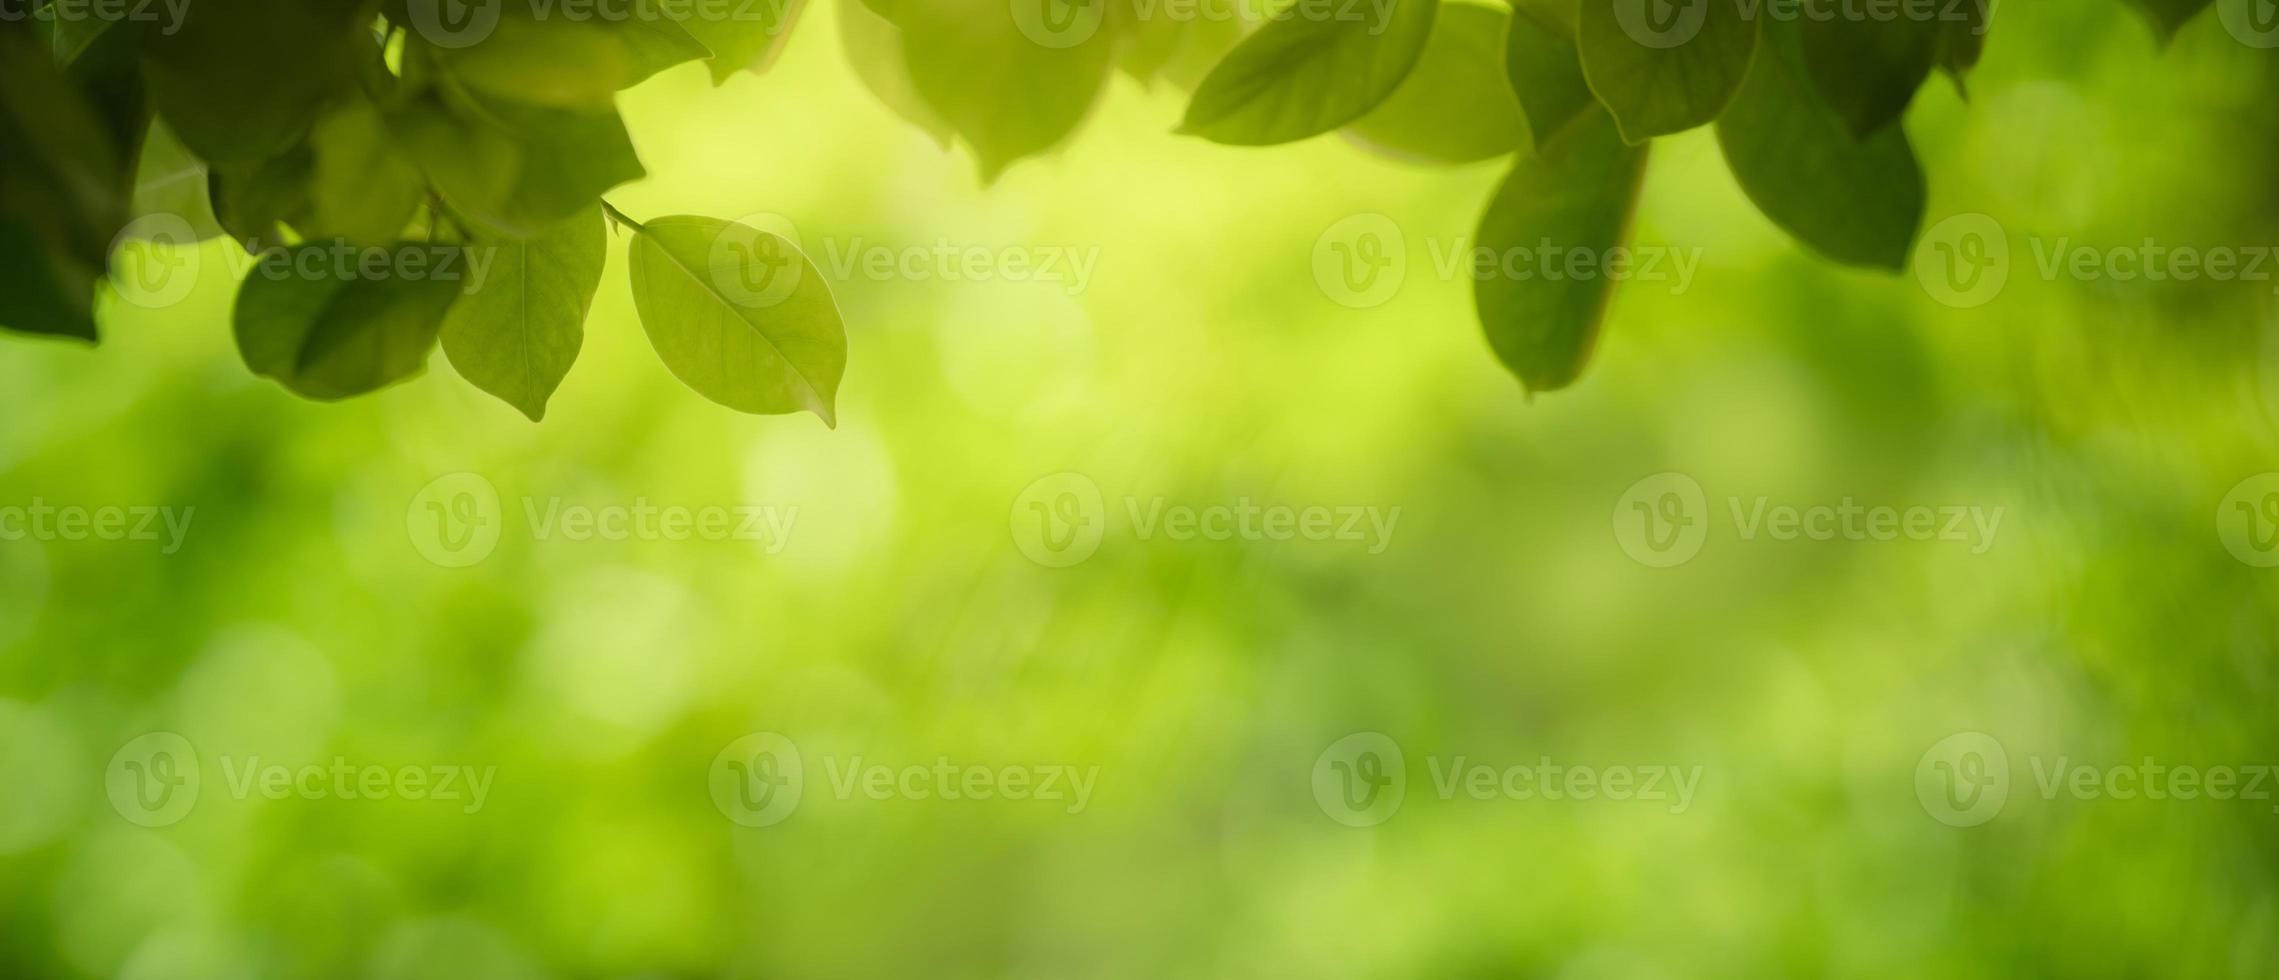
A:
[1665,66]
[874,47]
[1001,90]
[1576,193]
[363,188]
[1303,75]
[1454,107]
[515,170]
[517,332]
[739,315]
[170,182]
[742,36]
[1858,202]
[317,321]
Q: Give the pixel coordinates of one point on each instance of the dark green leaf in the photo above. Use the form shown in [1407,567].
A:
[1546,73]
[1963,40]
[252,202]
[1665,66]
[740,315]
[314,319]
[242,80]
[1302,75]
[63,193]
[1577,193]
[516,333]
[1868,70]
[1858,202]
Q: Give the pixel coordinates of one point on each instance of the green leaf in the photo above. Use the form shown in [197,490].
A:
[1962,41]
[1303,75]
[362,188]
[1454,107]
[1546,73]
[545,62]
[1857,202]
[321,326]
[1665,66]
[874,46]
[252,202]
[746,37]
[2170,16]
[170,182]
[515,170]
[1005,93]
[1868,70]
[242,80]
[63,193]
[1577,193]
[516,334]
[739,315]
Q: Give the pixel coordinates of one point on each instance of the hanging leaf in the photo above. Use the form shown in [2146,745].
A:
[170,182]
[1962,41]
[1577,193]
[1856,202]
[1663,67]
[1454,107]
[1868,70]
[1005,93]
[2170,16]
[1302,76]
[254,203]
[874,47]
[242,80]
[515,170]
[516,334]
[739,315]
[744,37]
[317,321]
[1546,73]
[362,187]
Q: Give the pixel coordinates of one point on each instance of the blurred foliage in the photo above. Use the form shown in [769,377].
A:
[1204,364]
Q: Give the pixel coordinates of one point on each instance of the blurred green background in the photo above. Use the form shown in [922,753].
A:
[901,622]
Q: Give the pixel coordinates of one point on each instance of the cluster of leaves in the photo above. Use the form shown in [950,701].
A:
[311,129]
[296,123]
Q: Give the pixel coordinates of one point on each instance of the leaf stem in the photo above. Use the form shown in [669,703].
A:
[619,217]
